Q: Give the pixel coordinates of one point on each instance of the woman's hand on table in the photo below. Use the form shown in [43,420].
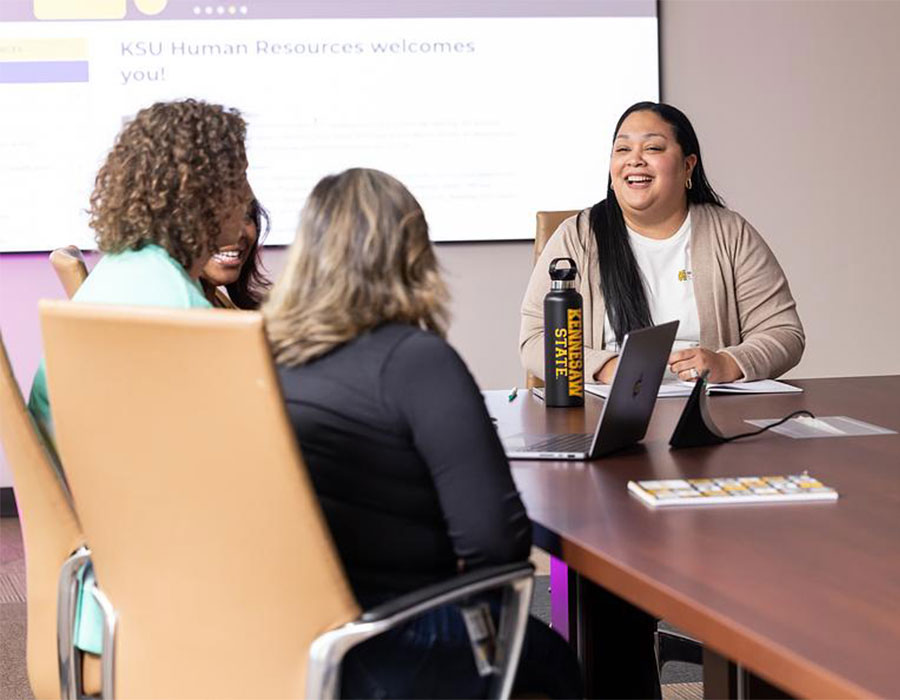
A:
[689,364]
[607,371]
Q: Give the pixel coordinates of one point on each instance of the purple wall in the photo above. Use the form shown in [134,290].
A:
[27,277]
[559,597]
[24,279]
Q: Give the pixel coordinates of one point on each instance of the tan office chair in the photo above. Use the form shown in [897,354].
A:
[547,223]
[54,550]
[217,571]
[69,265]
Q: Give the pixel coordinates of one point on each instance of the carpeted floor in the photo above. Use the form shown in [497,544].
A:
[13,677]
[682,680]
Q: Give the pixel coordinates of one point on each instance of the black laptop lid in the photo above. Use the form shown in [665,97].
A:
[641,366]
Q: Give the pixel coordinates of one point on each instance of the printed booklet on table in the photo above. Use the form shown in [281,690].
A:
[732,490]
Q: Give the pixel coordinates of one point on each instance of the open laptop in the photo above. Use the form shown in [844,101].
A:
[627,411]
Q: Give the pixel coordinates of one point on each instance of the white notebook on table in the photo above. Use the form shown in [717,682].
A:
[675,387]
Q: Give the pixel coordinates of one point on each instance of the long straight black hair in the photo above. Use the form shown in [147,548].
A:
[620,280]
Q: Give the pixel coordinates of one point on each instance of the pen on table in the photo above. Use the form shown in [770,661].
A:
[513,393]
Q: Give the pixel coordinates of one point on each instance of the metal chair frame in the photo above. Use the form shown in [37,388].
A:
[328,650]
[70,680]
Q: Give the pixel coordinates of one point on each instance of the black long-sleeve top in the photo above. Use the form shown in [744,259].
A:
[408,468]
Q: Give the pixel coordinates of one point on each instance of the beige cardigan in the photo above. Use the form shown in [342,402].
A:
[743,299]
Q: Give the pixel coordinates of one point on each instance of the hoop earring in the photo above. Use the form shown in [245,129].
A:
[688,184]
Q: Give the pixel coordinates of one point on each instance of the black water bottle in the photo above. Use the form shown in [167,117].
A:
[563,338]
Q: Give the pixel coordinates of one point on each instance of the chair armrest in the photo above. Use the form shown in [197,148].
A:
[448,591]
[517,580]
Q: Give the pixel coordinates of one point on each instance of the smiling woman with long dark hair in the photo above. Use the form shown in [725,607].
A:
[661,247]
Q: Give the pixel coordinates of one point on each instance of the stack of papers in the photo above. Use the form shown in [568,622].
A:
[676,387]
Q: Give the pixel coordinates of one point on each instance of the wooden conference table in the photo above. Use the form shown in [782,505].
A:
[806,596]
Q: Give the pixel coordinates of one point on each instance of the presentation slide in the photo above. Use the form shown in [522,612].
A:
[488,110]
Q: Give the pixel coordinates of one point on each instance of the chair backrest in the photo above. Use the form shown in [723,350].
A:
[205,533]
[69,265]
[547,223]
[49,527]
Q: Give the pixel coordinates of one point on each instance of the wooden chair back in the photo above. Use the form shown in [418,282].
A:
[547,223]
[50,528]
[206,535]
[69,265]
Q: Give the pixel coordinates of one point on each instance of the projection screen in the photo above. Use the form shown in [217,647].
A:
[488,110]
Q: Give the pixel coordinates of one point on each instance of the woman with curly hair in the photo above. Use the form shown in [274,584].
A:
[238,268]
[407,467]
[172,191]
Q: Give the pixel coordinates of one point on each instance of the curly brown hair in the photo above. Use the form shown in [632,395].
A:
[172,171]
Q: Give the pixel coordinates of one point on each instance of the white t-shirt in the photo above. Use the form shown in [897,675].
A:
[665,269]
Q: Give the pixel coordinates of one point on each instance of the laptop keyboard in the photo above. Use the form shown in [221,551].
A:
[571,442]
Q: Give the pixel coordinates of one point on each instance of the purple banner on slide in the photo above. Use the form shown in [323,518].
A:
[44,72]
[23,10]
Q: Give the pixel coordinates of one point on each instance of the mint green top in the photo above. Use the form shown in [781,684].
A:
[145,277]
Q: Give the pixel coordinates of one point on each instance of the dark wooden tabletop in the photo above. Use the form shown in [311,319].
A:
[805,595]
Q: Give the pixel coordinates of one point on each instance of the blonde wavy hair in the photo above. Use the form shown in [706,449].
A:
[172,171]
[361,258]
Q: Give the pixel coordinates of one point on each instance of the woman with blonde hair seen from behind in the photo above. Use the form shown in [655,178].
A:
[408,468]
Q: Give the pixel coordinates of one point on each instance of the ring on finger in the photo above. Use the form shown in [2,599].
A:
[694,373]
